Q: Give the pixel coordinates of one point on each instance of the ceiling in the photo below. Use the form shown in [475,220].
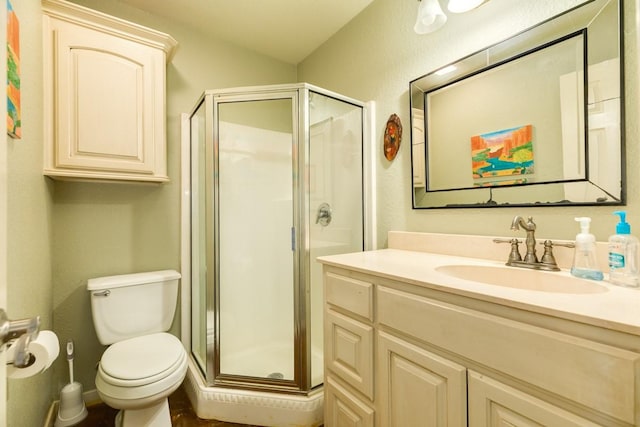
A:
[287,30]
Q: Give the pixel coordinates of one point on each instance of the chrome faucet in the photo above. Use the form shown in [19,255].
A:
[530,242]
[530,260]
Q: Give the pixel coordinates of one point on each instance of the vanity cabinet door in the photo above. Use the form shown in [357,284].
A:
[343,409]
[417,387]
[349,351]
[492,403]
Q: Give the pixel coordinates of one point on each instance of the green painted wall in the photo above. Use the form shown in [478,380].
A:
[378,54]
[30,221]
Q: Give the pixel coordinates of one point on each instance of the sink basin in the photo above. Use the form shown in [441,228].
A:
[531,280]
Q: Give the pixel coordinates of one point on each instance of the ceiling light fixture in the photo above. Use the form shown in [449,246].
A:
[430,17]
[461,6]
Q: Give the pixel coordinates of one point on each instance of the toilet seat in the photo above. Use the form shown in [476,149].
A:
[142,369]
[141,360]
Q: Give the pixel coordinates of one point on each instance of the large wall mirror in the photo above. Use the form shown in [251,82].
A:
[536,120]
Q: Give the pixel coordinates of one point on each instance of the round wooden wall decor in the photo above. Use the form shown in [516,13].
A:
[392,137]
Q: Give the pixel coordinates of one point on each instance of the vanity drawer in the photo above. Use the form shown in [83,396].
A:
[350,294]
[592,374]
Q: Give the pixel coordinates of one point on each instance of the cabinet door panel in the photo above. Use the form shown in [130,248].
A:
[342,409]
[104,101]
[418,388]
[117,104]
[492,403]
[349,351]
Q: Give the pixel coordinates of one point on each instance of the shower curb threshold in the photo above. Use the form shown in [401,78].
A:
[252,407]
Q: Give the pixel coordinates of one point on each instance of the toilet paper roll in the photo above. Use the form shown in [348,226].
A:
[45,349]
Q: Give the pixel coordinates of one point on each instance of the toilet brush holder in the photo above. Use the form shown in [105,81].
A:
[72,409]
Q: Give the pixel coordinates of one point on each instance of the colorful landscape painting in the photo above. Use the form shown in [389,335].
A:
[502,153]
[14,124]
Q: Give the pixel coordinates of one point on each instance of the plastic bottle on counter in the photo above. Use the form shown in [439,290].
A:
[585,264]
[623,254]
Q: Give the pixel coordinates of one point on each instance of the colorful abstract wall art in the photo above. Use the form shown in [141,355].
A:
[502,153]
[14,124]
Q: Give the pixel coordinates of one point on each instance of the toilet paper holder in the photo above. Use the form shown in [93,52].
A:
[19,333]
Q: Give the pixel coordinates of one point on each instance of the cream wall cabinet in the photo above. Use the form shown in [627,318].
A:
[440,359]
[104,96]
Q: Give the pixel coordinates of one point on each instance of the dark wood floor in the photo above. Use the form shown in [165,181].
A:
[182,414]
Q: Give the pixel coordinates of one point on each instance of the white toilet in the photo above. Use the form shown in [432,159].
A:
[143,364]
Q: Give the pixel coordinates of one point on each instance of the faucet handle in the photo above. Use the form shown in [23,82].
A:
[564,244]
[547,257]
[514,255]
[505,240]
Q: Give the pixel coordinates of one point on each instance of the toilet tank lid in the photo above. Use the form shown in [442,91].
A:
[121,280]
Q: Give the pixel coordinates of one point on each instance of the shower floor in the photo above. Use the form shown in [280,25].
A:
[270,363]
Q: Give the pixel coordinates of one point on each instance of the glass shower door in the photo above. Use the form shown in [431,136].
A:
[256,269]
[198,237]
[276,181]
[335,198]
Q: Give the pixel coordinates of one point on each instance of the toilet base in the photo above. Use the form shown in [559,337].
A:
[152,416]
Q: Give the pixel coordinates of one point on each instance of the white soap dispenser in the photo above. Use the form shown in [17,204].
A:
[623,254]
[585,264]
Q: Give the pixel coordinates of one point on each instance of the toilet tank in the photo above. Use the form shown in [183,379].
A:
[131,305]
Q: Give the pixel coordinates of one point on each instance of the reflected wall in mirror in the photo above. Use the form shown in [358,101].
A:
[533,120]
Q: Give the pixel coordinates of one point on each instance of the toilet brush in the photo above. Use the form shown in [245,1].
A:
[72,409]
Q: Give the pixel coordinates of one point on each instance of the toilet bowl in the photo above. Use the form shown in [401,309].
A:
[137,375]
[143,364]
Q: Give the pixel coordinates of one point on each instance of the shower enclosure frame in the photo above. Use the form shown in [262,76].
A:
[298,93]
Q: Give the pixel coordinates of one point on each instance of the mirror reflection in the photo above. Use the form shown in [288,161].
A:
[533,120]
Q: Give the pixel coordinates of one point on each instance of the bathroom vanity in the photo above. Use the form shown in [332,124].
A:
[411,341]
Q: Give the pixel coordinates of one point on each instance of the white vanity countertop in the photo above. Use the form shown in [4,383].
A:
[617,308]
